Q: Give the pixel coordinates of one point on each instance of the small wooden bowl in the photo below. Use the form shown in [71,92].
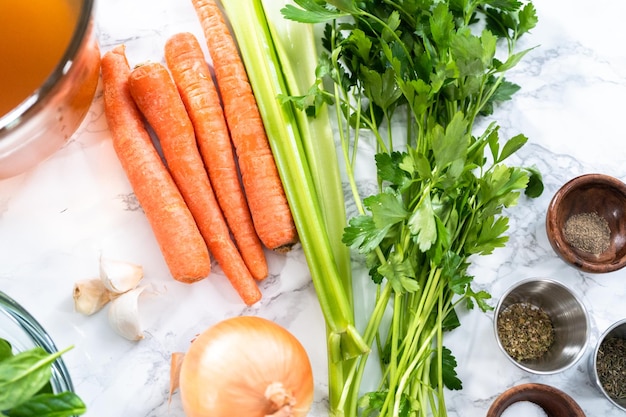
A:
[554,402]
[590,193]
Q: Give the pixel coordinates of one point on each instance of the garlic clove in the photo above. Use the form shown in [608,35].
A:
[90,295]
[119,276]
[124,316]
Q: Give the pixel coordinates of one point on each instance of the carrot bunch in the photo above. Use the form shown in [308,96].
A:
[216,191]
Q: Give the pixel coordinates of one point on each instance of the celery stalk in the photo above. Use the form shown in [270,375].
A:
[294,43]
[265,72]
[281,62]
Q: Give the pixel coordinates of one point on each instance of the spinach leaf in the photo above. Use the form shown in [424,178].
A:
[25,387]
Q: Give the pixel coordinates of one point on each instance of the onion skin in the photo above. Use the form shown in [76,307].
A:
[232,367]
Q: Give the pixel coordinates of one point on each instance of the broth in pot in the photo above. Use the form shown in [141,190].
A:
[48,77]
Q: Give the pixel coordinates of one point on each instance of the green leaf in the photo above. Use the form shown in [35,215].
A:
[387,209]
[480,298]
[452,144]
[527,19]
[500,23]
[450,321]
[467,51]
[511,146]
[419,95]
[512,60]
[360,43]
[310,12]
[488,42]
[6,350]
[371,402]
[459,283]
[23,375]
[362,234]
[490,235]
[381,88]
[502,184]
[393,22]
[346,6]
[422,166]
[441,25]
[399,271]
[535,183]
[505,91]
[422,224]
[448,370]
[506,5]
[389,167]
[66,404]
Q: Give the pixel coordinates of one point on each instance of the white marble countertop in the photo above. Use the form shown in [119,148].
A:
[57,219]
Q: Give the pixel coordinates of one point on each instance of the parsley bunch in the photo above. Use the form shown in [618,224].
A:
[434,65]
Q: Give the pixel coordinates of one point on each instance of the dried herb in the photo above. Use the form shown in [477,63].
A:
[525,331]
[611,366]
[588,232]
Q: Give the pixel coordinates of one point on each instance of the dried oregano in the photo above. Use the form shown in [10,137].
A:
[525,331]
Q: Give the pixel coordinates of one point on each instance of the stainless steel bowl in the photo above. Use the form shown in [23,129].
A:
[24,332]
[45,120]
[568,316]
[618,329]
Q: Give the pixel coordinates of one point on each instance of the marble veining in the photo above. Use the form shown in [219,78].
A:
[57,219]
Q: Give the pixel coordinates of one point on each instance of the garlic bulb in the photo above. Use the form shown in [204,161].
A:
[90,296]
[119,276]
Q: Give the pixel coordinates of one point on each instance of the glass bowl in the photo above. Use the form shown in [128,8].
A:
[24,332]
[45,120]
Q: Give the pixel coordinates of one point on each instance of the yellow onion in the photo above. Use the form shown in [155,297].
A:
[246,366]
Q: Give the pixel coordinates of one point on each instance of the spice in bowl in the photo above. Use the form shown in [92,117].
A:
[588,232]
[524,408]
[611,366]
[525,331]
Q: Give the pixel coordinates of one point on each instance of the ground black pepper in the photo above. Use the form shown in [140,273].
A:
[588,232]
[525,331]
[611,366]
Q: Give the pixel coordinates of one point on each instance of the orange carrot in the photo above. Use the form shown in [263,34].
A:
[192,76]
[183,248]
[263,187]
[155,93]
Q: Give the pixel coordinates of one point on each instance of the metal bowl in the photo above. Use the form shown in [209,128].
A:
[591,193]
[553,401]
[618,329]
[45,120]
[567,314]
[24,332]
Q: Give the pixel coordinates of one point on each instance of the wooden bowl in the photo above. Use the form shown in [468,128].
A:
[554,402]
[590,193]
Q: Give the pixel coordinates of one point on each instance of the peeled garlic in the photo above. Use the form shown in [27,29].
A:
[90,295]
[119,276]
[124,315]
